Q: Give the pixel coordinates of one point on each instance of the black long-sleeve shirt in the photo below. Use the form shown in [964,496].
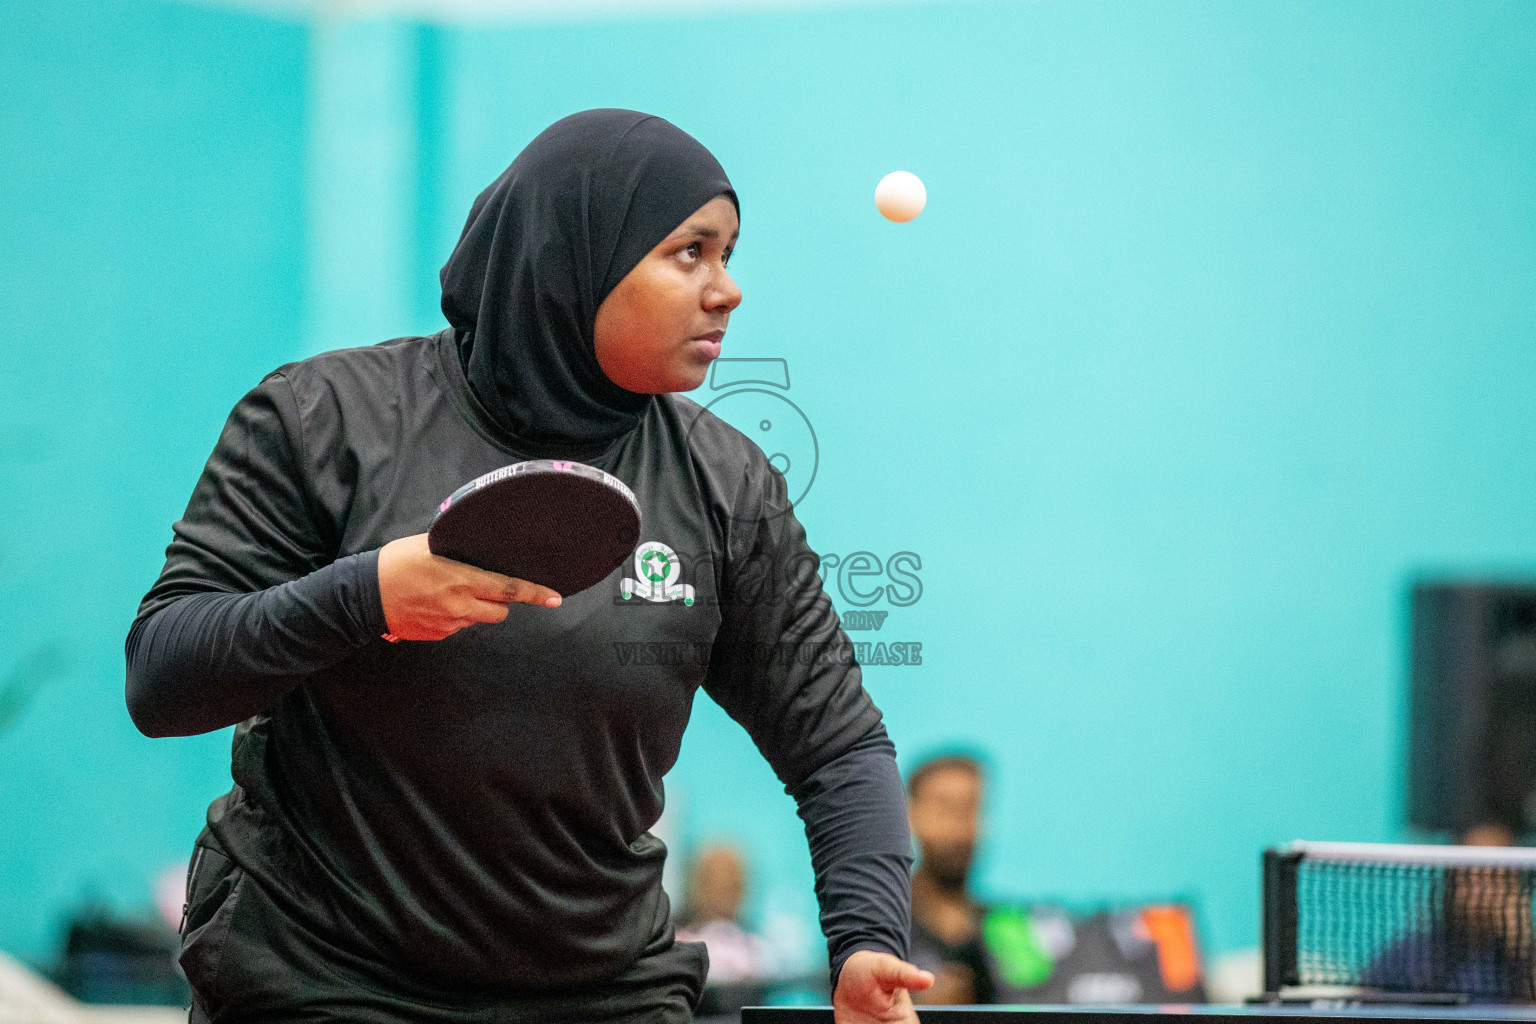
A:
[474,811]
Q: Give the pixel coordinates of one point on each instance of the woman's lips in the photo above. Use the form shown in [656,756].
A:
[711,342]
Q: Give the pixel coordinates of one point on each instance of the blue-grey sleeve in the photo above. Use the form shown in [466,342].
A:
[854,811]
[784,669]
[250,600]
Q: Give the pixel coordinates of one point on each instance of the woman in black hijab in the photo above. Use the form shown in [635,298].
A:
[433,822]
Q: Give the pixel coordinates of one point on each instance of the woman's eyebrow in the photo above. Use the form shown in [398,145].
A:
[704,231]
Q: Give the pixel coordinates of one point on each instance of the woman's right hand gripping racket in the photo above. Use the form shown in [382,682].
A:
[532,532]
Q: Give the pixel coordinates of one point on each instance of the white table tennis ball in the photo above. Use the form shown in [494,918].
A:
[900,196]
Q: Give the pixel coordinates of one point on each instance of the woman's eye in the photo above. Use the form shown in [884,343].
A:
[693,250]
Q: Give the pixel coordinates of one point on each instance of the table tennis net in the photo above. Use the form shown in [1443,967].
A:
[1429,920]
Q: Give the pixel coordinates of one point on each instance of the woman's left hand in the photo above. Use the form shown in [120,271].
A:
[873,989]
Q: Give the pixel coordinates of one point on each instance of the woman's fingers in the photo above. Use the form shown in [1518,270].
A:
[487,611]
[490,600]
[892,973]
[429,597]
[532,593]
[492,586]
[875,987]
[507,590]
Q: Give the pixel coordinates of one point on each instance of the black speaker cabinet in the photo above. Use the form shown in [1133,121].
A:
[1472,734]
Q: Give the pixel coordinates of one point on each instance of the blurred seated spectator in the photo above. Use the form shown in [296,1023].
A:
[717,885]
[738,960]
[944,809]
[1489,833]
[1481,944]
[1022,953]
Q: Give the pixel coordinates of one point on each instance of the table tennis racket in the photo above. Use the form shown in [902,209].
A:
[563,525]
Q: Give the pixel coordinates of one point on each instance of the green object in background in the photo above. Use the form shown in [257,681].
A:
[1011,939]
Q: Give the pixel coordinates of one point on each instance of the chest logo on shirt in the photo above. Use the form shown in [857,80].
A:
[658,572]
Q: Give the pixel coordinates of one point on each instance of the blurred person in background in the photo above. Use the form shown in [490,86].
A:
[738,960]
[944,797]
[1481,944]
[717,886]
[1489,833]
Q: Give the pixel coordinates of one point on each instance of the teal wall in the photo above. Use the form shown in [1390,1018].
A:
[152,218]
[1217,330]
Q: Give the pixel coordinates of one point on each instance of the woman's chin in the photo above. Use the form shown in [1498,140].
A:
[685,379]
[690,375]
[691,383]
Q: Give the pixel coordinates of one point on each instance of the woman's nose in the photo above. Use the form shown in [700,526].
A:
[723,295]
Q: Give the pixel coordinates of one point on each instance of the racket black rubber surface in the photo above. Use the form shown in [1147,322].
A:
[563,525]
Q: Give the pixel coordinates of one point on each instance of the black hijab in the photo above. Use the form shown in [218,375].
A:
[544,245]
